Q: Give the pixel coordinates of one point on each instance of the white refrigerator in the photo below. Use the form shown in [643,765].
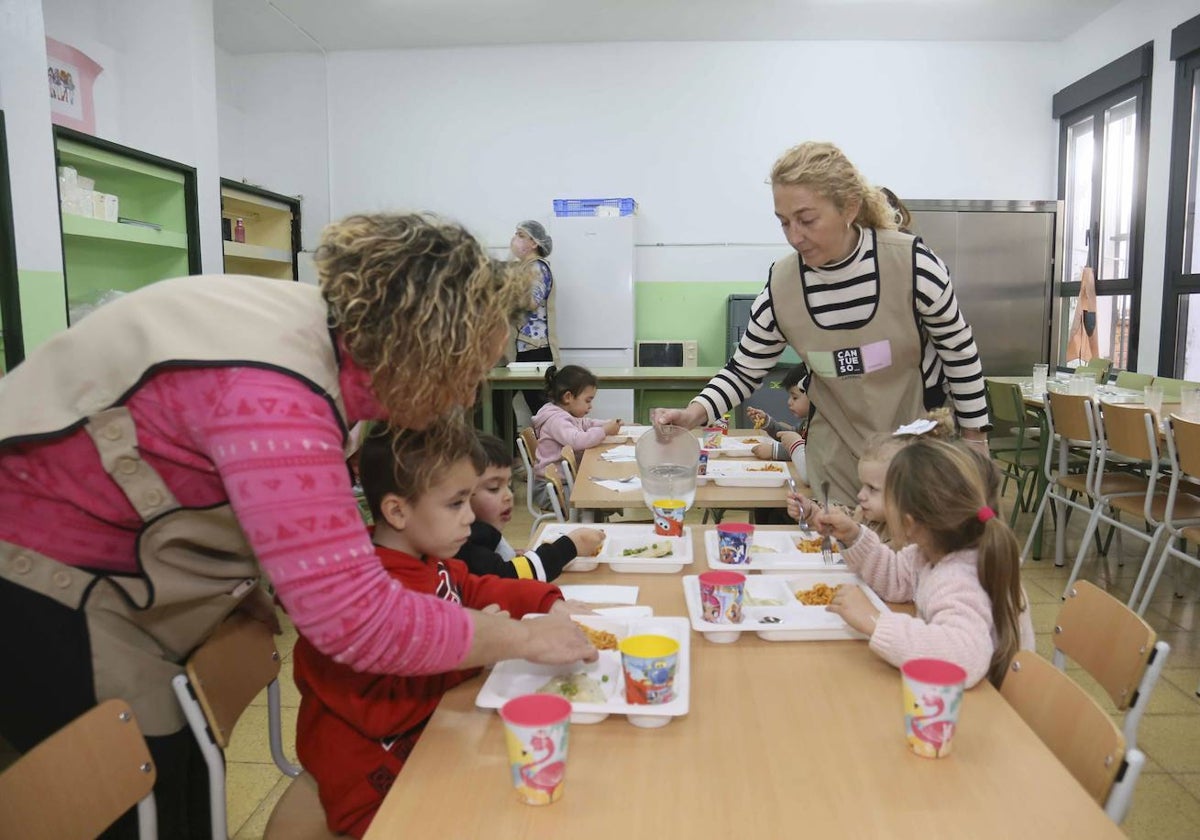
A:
[592,263]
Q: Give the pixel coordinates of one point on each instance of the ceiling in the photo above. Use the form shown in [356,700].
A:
[256,26]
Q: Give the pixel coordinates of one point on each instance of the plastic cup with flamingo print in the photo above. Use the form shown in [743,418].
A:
[933,692]
[536,729]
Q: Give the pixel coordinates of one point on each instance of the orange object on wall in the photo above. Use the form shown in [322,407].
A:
[1083,342]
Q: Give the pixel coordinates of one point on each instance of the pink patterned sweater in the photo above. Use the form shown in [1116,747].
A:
[272,448]
[555,428]
[954,613]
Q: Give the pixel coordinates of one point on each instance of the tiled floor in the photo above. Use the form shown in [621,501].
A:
[1167,800]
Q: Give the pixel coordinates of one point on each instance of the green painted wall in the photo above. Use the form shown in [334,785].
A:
[678,311]
[43,305]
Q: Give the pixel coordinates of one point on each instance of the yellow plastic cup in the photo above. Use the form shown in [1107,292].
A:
[649,663]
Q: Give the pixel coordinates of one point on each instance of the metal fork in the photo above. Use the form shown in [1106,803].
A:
[826,542]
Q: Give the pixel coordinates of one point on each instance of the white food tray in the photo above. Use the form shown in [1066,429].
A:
[515,677]
[797,623]
[620,537]
[785,558]
[743,474]
[737,447]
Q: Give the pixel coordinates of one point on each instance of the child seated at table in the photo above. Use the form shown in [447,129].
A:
[564,421]
[960,566]
[355,730]
[486,552]
[787,440]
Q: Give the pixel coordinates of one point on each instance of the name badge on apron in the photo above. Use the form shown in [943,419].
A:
[851,361]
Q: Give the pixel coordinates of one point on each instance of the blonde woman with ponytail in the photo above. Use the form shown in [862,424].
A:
[961,565]
[870,309]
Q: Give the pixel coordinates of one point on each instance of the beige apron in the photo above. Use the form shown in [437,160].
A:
[865,380]
[195,565]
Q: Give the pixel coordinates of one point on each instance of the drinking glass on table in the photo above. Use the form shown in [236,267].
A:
[1039,379]
[1154,398]
[1189,398]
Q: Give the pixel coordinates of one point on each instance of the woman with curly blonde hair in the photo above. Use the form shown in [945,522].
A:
[870,309]
[164,455]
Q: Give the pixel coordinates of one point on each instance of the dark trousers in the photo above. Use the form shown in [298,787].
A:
[535,399]
[45,656]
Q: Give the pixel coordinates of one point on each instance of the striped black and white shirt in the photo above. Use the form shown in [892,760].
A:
[844,295]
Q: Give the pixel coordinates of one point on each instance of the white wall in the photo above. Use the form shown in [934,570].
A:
[1113,34]
[157,93]
[273,128]
[24,98]
[491,135]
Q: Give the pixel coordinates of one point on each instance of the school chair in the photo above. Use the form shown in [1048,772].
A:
[1133,380]
[1014,449]
[1125,433]
[1097,367]
[1069,424]
[1114,645]
[80,780]
[1183,505]
[223,676]
[558,495]
[569,469]
[1079,733]
[1171,388]
[527,448]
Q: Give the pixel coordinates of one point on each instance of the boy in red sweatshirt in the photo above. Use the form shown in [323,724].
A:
[355,730]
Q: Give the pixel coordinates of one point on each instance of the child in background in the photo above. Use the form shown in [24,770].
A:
[486,552]
[788,440]
[355,730]
[962,568]
[563,421]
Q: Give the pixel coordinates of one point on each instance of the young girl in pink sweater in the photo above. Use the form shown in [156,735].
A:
[564,421]
[960,565]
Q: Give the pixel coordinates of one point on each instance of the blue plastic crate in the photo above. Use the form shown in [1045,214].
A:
[588,206]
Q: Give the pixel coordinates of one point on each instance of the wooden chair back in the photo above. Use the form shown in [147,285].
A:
[1125,431]
[1110,641]
[1187,444]
[1069,722]
[1133,380]
[228,671]
[528,448]
[557,495]
[77,782]
[568,455]
[1070,415]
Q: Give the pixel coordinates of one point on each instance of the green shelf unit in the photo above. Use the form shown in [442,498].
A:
[101,256]
[272,224]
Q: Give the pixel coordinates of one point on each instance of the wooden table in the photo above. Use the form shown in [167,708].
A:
[634,378]
[589,497]
[782,739]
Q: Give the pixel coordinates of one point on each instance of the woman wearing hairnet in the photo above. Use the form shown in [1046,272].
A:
[536,341]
